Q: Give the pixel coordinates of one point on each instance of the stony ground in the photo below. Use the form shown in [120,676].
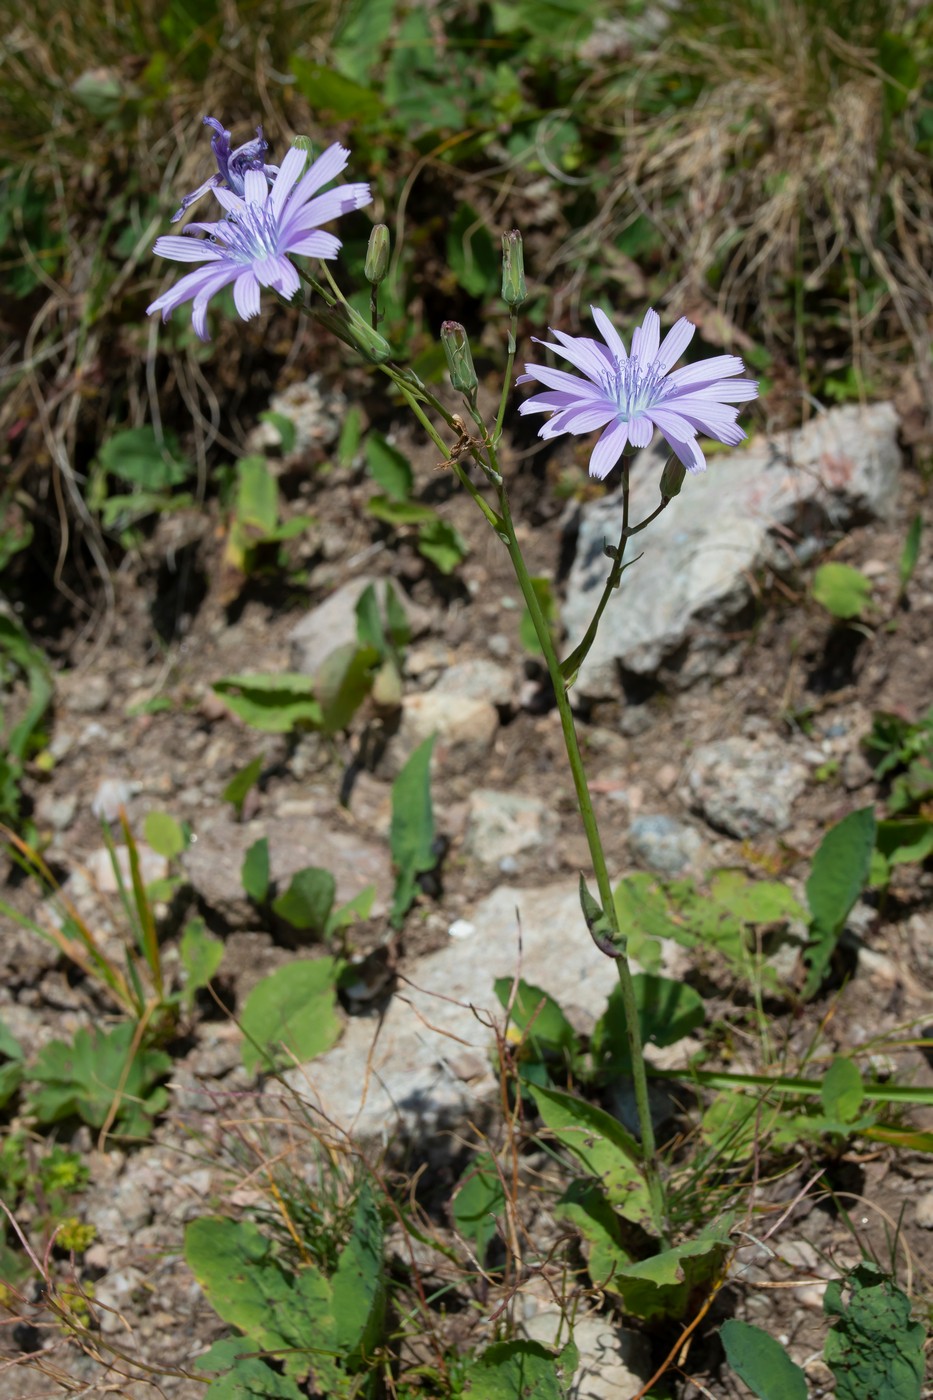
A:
[736,745]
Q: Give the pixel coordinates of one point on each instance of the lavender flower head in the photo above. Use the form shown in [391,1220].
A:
[231,165]
[629,395]
[251,246]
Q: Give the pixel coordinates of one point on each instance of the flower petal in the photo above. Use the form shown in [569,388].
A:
[608,450]
[560,379]
[255,187]
[640,430]
[229,201]
[324,208]
[316,245]
[675,343]
[326,168]
[180,248]
[688,451]
[581,418]
[584,353]
[246,295]
[707,371]
[645,339]
[289,174]
[547,403]
[610,335]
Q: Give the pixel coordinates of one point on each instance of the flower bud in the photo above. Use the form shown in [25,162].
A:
[303,143]
[456,345]
[377,255]
[350,327]
[514,291]
[672,478]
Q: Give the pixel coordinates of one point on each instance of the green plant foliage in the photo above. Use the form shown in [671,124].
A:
[903,842]
[308,901]
[201,955]
[99,1076]
[18,657]
[471,256]
[667,1011]
[389,468]
[320,1330]
[762,1363]
[242,784]
[254,873]
[873,1349]
[545,1028]
[388,630]
[137,457]
[411,833]
[442,545]
[166,836]
[283,425]
[842,1092]
[292,1013]
[479,1198]
[903,752]
[11,1065]
[506,1370]
[602,1147]
[841,590]
[910,554]
[255,523]
[343,682]
[247,1376]
[276,704]
[837,877]
[547,602]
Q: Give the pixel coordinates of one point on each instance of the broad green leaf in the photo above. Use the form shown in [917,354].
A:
[399,512]
[667,1011]
[97,1070]
[242,783]
[330,92]
[873,1349]
[276,704]
[350,436]
[762,1363]
[201,955]
[841,590]
[535,1012]
[359,907]
[478,1199]
[388,467]
[256,506]
[285,428]
[343,682]
[509,1370]
[369,629]
[601,1145]
[308,901]
[442,545]
[839,874]
[662,1285]
[585,1206]
[411,833]
[165,835]
[471,256]
[842,1091]
[137,455]
[358,1284]
[397,624]
[254,874]
[292,1012]
[904,841]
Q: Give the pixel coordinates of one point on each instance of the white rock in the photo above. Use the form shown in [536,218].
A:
[465,729]
[503,824]
[745,786]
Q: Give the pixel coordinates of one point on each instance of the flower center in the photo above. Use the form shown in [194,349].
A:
[635,388]
[252,235]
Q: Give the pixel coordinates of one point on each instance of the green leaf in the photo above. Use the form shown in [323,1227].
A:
[308,901]
[97,1070]
[242,783]
[358,1284]
[350,435]
[533,1011]
[330,92]
[471,256]
[839,874]
[285,428]
[256,505]
[842,1091]
[254,873]
[399,512]
[509,1370]
[662,1285]
[201,955]
[607,939]
[905,841]
[359,907]
[585,1207]
[276,704]
[548,605]
[442,545]
[910,554]
[411,834]
[343,682]
[873,1349]
[841,590]
[762,1363]
[138,456]
[478,1199]
[667,1011]
[10,1047]
[601,1145]
[388,467]
[165,835]
[292,1012]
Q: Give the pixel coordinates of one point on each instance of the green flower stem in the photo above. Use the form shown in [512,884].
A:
[507,378]
[597,855]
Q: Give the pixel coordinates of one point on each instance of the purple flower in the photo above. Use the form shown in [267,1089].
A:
[231,165]
[631,395]
[250,246]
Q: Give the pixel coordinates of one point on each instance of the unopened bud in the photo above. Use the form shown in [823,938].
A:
[303,143]
[350,327]
[377,255]
[514,291]
[459,356]
[672,478]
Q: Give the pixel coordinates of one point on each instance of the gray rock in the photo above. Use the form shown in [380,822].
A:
[333,623]
[615,1361]
[663,843]
[110,795]
[315,411]
[775,503]
[745,786]
[426,1060]
[503,824]
[477,679]
[465,729]
[58,812]
[214,862]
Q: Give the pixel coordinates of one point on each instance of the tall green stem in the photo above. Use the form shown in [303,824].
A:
[594,841]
